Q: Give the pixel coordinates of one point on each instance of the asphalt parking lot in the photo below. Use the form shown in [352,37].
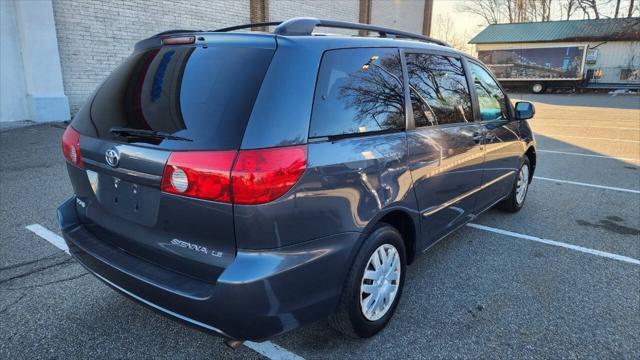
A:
[561,278]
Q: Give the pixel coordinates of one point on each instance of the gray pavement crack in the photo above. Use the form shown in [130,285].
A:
[71,278]
[37,270]
[6,308]
[29,262]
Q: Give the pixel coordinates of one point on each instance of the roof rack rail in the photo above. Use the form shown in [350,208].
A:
[306,25]
[248,26]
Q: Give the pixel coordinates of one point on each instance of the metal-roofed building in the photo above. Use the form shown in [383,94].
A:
[601,53]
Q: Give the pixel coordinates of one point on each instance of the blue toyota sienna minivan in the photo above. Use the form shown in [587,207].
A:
[250,182]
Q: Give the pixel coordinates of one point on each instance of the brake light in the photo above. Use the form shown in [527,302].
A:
[257,177]
[71,146]
[199,174]
[260,176]
[179,40]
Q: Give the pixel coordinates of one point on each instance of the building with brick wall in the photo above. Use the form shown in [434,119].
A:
[56,52]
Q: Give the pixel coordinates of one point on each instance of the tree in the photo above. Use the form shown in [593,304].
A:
[568,8]
[512,11]
[516,11]
[444,29]
[588,6]
[544,9]
[489,10]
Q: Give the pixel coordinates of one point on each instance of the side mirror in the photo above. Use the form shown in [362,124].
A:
[524,110]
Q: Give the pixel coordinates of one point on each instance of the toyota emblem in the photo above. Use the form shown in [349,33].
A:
[112,156]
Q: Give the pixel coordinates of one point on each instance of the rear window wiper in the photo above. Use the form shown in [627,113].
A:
[142,133]
[352,135]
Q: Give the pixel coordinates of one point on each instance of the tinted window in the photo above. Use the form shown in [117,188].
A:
[203,94]
[358,91]
[491,99]
[439,91]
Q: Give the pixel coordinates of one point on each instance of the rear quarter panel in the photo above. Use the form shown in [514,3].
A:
[347,184]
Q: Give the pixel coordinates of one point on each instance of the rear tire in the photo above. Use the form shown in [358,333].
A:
[350,318]
[515,201]
[537,88]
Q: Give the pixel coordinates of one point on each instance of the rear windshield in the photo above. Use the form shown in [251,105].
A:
[203,94]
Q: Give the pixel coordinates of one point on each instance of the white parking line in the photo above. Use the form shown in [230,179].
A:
[590,126]
[272,351]
[588,185]
[585,137]
[267,348]
[49,235]
[557,243]
[588,155]
[588,123]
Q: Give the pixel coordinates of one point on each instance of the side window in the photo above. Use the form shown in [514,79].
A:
[358,91]
[491,99]
[439,90]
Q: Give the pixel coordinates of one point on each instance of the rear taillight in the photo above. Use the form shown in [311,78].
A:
[260,176]
[71,146]
[199,174]
[257,177]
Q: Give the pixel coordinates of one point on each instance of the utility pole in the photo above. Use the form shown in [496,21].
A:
[426,19]
[364,15]
[259,12]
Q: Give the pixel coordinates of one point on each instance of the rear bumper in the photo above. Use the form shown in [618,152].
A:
[259,295]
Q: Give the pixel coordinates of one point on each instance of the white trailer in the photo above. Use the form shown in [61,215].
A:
[539,66]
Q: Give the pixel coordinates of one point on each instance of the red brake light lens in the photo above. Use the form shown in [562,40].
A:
[199,174]
[263,175]
[71,146]
[179,40]
[257,177]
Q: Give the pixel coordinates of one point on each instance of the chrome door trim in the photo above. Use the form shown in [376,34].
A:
[435,209]
[463,224]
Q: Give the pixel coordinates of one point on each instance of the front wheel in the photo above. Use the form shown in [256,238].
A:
[373,286]
[515,201]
